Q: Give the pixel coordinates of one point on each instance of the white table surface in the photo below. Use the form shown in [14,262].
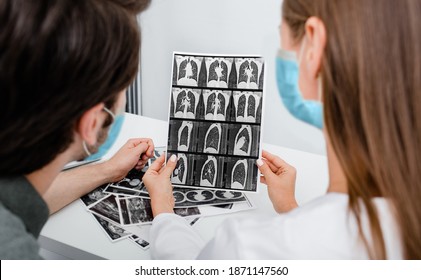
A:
[74,234]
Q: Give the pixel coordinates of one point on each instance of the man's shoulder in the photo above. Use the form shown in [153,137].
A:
[15,241]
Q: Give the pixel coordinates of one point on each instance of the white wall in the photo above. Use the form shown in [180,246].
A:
[225,27]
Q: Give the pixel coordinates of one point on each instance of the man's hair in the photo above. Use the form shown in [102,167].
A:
[59,58]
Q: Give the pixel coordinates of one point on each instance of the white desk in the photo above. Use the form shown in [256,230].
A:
[73,233]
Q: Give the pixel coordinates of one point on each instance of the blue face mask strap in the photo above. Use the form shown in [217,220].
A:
[301,53]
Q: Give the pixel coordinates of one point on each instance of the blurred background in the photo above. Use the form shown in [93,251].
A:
[216,27]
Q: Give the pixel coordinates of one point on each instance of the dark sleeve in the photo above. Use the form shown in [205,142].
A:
[15,242]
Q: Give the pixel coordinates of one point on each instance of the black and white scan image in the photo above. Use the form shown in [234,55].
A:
[249,73]
[200,195]
[115,207]
[140,242]
[216,104]
[185,103]
[186,70]
[113,231]
[209,172]
[183,136]
[107,208]
[212,138]
[218,70]
[241,174]
[244,140]
[183,171]
[135,211]
[238,174]
[228,195]
[216,108]
[111,189]
[132,181]
[187,212]
[143,244]
[247,106]
[186,197]
[94,196]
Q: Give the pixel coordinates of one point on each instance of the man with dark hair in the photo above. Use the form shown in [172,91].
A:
[64,68]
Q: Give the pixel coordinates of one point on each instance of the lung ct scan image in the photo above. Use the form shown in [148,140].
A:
[215,118]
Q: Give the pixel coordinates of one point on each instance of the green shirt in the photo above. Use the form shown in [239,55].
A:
[23,213]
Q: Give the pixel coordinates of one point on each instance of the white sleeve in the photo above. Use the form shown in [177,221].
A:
[248,239]
[172,237]
[223,245]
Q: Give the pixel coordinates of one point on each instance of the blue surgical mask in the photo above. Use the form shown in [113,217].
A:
[113,133]
[287,74]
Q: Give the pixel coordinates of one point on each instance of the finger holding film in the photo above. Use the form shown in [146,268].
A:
[263,180]
[271,166]
[171,164]
[275,160]
[151,148]
[141,148]
[264,168]
[137,141]
[140,164]
[133,142]
[156,166]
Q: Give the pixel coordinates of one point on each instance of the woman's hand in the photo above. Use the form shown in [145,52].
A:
[280,177]
[134,154]
[158,183]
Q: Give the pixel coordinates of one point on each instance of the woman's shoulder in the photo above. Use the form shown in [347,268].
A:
[321,229]
[321,211]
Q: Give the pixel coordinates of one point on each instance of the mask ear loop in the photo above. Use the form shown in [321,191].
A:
[319,88]
[109,112]
[300,54]
[85,148]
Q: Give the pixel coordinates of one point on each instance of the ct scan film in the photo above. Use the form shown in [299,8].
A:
[215,121]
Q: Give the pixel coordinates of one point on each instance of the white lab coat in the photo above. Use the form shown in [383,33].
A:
[321,229]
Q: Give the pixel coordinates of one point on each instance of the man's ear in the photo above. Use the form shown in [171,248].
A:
[315,33]
[90,123]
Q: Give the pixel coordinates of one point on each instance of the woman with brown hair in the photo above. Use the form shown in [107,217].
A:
[361,59]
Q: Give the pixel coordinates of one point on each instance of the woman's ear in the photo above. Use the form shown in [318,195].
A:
[90,124]
[315,33]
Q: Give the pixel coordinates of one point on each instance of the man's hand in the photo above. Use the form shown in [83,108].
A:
[280,177]
[134,154]
[158,184]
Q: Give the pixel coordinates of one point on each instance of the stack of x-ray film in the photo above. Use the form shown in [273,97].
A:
[123,209]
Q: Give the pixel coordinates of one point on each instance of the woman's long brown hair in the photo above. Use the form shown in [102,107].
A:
[371,73]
